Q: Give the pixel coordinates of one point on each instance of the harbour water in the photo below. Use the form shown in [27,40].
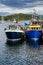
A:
[25,52]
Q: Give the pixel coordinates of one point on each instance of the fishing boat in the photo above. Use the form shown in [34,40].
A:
[34,30]
[14,33]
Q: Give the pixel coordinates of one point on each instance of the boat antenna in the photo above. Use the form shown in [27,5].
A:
[35,14]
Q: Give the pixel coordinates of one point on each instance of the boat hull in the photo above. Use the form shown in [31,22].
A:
[34,34]
[13,36]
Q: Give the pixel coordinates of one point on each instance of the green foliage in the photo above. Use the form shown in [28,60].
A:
[19,16]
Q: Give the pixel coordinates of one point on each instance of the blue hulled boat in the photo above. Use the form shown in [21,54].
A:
[34,29]
[14,33]
[34,34]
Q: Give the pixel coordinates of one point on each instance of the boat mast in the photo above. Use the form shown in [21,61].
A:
[35,15]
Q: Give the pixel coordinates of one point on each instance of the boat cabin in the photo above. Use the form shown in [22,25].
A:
[13,27]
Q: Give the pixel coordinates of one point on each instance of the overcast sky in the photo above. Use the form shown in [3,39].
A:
[20,6]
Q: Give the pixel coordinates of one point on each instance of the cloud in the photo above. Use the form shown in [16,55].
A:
[22,3]
[10,10]
[34,3]
[6,10]
[13,3]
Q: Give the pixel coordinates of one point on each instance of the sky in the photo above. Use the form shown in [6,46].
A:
[8,7]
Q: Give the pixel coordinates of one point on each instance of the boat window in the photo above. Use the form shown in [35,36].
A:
[12,27]
[32,28]
[18,27]
[36,28]
[15,27]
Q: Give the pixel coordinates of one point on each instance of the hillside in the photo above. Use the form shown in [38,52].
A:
[18,17]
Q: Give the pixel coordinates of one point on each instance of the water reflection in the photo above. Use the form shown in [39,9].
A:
[33,43]
[13,53]
[28,42]
[15,43]
[42,42]
[19,52]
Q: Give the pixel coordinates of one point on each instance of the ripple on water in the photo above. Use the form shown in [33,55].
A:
[19,53]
